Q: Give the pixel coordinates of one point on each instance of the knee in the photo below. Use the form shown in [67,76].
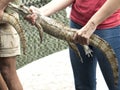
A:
[4,69]
[7,65]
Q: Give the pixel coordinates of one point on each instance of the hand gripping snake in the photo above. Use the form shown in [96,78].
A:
[60,31]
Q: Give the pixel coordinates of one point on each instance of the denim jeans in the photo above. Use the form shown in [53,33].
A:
[85,73]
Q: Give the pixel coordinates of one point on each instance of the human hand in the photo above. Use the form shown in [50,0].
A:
[32,17]
[83,35]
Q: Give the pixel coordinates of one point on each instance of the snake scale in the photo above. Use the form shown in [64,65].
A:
[9,18]
[60,31]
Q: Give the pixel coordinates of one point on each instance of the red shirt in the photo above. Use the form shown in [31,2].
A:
[82,11]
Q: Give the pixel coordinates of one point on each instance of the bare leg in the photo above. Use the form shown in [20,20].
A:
[3,85]
[8,71]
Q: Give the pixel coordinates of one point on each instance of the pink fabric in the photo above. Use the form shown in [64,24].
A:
[82,10]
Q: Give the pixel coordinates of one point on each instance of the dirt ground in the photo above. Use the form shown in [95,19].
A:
[52,72]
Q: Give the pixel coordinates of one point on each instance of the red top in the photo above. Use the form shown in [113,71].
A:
[82,10]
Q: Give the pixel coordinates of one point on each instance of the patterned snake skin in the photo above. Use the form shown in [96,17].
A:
[60,31]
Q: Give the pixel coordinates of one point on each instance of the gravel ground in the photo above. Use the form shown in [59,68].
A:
[52,72]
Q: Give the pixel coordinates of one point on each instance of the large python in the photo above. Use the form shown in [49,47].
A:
[9,18]
[60,31]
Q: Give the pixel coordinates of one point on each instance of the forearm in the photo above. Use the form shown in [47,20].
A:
[55,6]
[82,36]
[105,11]
[4,3]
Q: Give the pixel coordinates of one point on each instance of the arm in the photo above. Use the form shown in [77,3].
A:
[105,11]
[3,5]
[55,6]
[109,7]
[49,9]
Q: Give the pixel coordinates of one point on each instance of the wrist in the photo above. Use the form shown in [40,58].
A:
[91,25]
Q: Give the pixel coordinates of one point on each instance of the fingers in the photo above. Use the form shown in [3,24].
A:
[84,40]
[81,38]
[31,17]
[33,9]
[75,38]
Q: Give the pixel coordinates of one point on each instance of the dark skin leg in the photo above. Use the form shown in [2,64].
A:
[9,74]
[3,85]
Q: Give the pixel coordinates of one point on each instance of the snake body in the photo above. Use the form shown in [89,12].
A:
[9,18]
[60,31]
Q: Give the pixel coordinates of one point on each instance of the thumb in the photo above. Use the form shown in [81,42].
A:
[75,38]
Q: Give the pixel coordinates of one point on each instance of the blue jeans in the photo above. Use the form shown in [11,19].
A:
[85,73]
